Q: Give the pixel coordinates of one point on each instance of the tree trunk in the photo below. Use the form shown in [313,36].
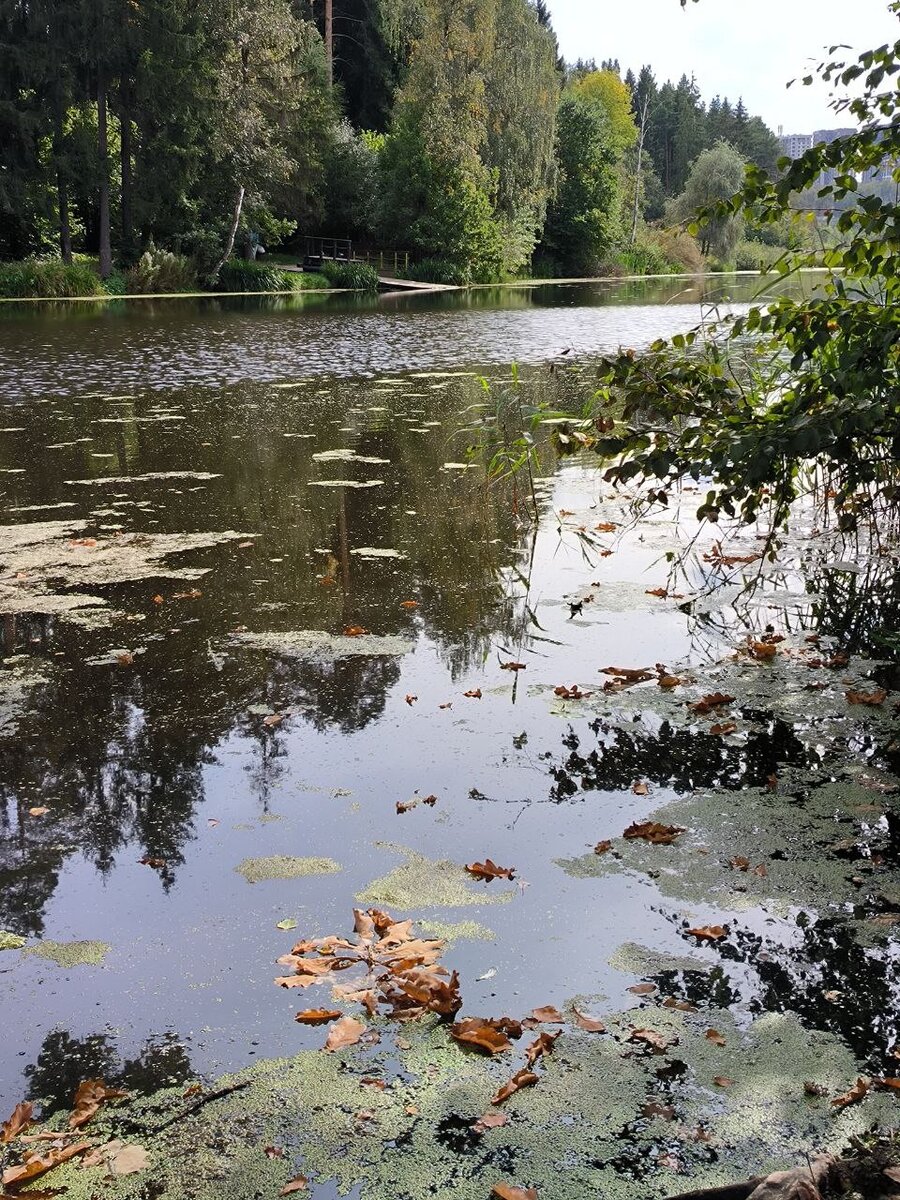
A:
[103,155]
[637,174]
[329,40]
[229,245]
[62,189]
[127,171]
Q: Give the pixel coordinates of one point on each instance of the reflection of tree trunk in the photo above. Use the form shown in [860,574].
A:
[103,155]
[9,632]
[229,245]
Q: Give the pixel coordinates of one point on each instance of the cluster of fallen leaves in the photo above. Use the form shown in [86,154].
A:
[42,1151]
[391,968]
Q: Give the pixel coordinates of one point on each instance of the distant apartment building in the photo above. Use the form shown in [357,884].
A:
[794,144]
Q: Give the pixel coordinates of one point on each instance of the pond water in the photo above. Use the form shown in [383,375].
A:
[201,498]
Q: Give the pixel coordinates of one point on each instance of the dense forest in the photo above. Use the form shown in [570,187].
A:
[200,130]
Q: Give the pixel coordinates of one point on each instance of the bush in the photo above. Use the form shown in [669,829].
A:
[48,278]
[159,271]
[647,258]
[243,275]
[358,276]
[756,256]
[116,284]
[438,270]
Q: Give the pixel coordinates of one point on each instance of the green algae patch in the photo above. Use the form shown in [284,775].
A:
[573,1134]
[317,646]
[71,954]
[636,959]
[422,882]
[283,866]
[456,931]
[10,941]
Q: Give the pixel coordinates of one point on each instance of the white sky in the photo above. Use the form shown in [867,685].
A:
[748,48]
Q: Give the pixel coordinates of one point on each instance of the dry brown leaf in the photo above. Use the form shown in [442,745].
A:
[589,1024]
[854,1095]
[723,729]
[409,604]
[317,1016]
[296,1185]
[38,811]
[89,1098]
[36,1165]
[548,1015]
[490,1120]
[125,659]
[713,1035]
[871,699]
[681,1005]
[22,1116]
[605,527]
[661,592]
[739,863]
[345,1032]
[506,1191]
[603,847]
[484,1035]
[763,651]
[542,1044]
[570,693]
[668,681]
[639,788]
[474,694]
[521,1079]
[489,870]
[643,989]
[273,719]
[410,699]
[657,1042]
[710,703]
[655,1109]
[354,631]
[708,933]
[652,831]
[628,674]
[513,666]
[722,1081]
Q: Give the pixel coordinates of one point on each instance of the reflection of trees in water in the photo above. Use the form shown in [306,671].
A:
[65,1061]
[683,759]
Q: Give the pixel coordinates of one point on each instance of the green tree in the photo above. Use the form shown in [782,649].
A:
[716,175]
[583,217]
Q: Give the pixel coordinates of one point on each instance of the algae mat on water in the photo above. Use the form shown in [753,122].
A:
[282,866]
[607,1117]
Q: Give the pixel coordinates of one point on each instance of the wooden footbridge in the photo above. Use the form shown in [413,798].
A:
[391,265]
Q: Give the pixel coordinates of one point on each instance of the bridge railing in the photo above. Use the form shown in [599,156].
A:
[385,262]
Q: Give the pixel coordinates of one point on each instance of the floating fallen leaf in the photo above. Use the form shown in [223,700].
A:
[716,556]
[286,924]
[541,1045]
[431,801]
[22,1116]
[193,594]
[654,1109]
[760,870]
[326,581]
[345,1032]
[296,1185]
[668,681]
[449,704]
[661,592]
[474,694]
[273,719]
[644,989]
[488,1121]
[628,674]
[39,811]
[125,659]
[82,541]
[273,1151]
[506,1191]
[489,870]
[355,631]
[708,933]
[814,1089]
[640,788]
[657,1042]
[119,1159]
[603,847]
[739,863]
[885,1082]
[762,650]
[722,1081]
[652,831]
[892,1173]
[484,1035]
[605,527]
[521,1079]
[317,1016]
[513,666]
[548,1015]
[713,1035]
[410,700]
[723,729]
[681,1005]
[589,1024]
[159,599]
[39,1164]
[156,863]
[409,604]
[854,1095]
[710,703]
[871,699]
[570,693]
[91,1095]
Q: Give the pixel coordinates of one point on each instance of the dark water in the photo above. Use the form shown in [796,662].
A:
[169,757]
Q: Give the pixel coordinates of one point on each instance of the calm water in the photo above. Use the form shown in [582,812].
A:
[169,756]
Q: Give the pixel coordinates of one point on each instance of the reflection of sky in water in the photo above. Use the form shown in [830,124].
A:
[168,758]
